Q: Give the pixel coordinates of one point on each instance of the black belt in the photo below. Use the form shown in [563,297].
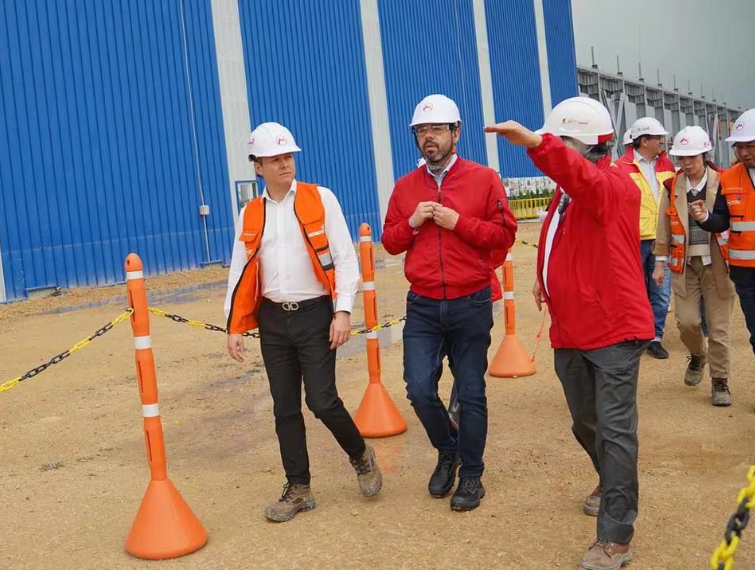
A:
[290,306]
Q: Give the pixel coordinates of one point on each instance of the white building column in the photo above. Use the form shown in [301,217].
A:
[486,81]
[542,56]
[381,132]
[233,95]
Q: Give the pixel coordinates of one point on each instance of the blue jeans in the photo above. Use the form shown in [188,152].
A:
[659,297]
[459,328]
[746,292]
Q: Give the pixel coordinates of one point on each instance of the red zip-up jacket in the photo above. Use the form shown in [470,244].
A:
[445,264]
[596,287]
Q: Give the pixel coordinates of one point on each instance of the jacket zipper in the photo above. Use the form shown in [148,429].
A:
[440,251]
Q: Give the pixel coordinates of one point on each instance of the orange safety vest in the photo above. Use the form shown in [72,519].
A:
[737,188]
[310,212]
[678,247]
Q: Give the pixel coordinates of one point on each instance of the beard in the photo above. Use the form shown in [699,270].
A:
[436,155]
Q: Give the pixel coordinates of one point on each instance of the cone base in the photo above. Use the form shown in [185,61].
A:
[377,415]
[165,526]
[511,360]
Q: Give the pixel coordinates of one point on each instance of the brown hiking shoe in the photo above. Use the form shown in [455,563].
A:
[295,498]
[592,502]
[368,473]
[604,555]
[720,394]
[694,374]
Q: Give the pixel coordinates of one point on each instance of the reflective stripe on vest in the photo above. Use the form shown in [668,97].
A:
[310,212]
[738,190]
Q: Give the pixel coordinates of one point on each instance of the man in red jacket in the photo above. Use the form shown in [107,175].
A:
[448,217]
[589,273]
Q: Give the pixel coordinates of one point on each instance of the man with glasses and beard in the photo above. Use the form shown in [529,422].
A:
[448,217]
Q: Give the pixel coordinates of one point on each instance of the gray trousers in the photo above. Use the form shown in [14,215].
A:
[601,391]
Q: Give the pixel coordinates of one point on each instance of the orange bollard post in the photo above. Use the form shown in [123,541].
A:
[377,415]
[511,360]
[165,526]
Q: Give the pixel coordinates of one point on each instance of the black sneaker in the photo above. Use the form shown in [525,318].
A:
[468,494]
[656,350]
[443,478]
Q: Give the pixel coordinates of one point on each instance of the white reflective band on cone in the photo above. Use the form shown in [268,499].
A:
[372,335]
[365,238]
[509,257]
[134,275]
[151,410]
[368,286]
[508,295]
[142,342]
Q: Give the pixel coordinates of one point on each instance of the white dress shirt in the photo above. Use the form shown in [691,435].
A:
[286,272]
[440,176]
[648,171]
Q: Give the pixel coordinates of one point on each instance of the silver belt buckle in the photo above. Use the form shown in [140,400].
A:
[291,306]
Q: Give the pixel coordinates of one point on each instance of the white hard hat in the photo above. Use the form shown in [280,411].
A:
[271,139]
[627,137]
[744,128]
[691,141]
[580,118]
[647,126]
[435,109]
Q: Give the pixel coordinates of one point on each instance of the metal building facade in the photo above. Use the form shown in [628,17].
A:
[424,56]
[120,119]
[312,79]
[103,148]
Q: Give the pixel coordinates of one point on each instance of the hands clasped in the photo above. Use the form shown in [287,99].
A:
[445,217]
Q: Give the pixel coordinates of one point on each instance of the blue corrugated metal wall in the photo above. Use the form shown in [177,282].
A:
[562,59]
[96,146]
[517,93]
[305,69]
[429,46]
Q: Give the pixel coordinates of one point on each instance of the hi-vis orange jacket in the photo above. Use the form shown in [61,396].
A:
[310,212]
[739,192]
[677,247]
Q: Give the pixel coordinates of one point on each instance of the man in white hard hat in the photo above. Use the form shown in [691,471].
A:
[294,274]
[627,140]
[734,209]
[646,162]
[697,260]
[589,274]
[448,217]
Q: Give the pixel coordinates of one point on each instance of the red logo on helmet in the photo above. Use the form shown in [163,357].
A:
[281,141]
[739,127]
[685,140]
[428,107]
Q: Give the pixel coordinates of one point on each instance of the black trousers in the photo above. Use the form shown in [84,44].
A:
[295,346]
[601,391]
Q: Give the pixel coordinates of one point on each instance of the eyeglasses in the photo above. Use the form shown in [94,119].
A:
[422,130]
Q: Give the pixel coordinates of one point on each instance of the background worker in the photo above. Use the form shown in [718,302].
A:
[294,273]
[646,162]
[448,217]
[697,260]
[734,209]
[589,274]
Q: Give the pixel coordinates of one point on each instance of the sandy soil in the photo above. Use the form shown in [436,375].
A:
[73,468]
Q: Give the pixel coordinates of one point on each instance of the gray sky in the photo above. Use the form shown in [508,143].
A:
[695,39]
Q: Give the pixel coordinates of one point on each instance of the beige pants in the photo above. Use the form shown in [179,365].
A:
[701,281]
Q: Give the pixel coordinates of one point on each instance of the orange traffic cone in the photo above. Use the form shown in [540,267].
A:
[164,527]
[511,360]
[377,415]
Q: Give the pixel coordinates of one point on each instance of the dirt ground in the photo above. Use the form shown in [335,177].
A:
[73,468]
